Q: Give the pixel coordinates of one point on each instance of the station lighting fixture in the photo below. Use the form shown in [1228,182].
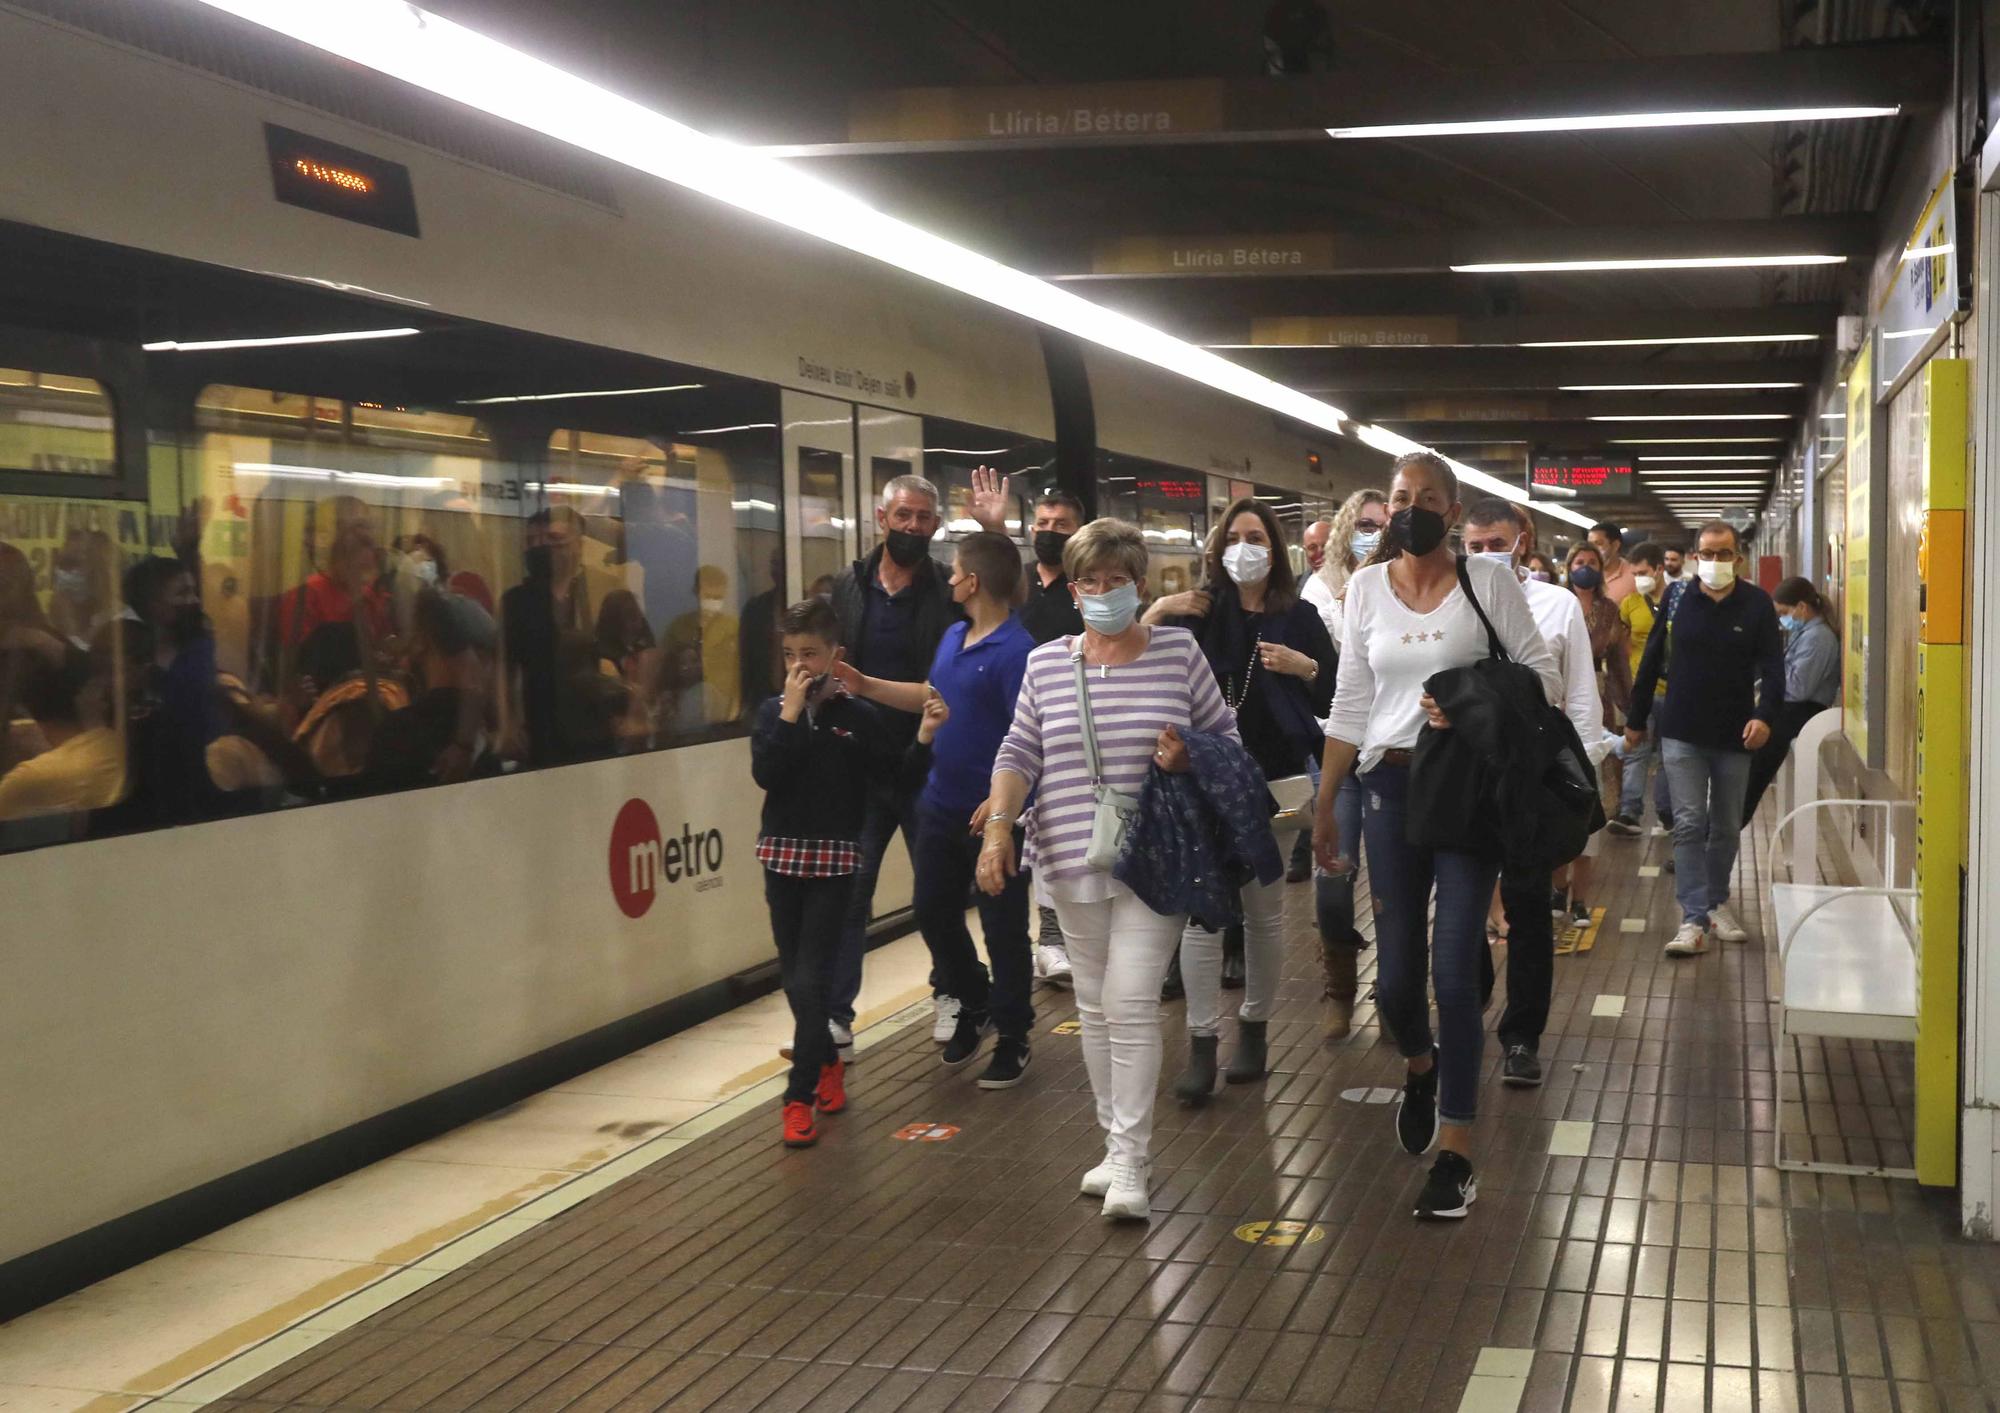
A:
[566,396]
[214,345]
[433,53]
[1670,342]
[1677,387]
[1688,262]
[1733,456]
[1697,441]
[1606,122]
[1691,417]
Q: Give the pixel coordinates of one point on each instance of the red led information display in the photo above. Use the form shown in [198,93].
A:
[1168,490]
[1564,477]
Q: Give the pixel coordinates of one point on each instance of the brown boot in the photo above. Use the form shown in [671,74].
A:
[1340,961]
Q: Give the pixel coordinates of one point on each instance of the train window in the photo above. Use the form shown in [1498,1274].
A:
[954,450]
[821,541]
[1169,505]
[51,422]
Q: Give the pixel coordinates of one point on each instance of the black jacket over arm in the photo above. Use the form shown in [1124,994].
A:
[1296,704]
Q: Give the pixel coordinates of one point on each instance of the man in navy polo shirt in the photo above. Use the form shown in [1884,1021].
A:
[978,671]
[1723,694]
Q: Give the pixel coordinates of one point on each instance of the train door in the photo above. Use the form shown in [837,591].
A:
[819,485]
[892,445]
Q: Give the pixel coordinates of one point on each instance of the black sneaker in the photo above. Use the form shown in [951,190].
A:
[1579,912]
[1669,864]
[963,1047]
[1449,1190]
[1009,1063]
[1417,1110]
[1521,1069]
[1623,824]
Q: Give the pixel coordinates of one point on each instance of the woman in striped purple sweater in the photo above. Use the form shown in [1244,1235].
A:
[1145,686]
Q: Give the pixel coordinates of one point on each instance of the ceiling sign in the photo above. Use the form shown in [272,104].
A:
[1924,292]
[1567,477]
[1214,255]
[1109,110]
[1394,331]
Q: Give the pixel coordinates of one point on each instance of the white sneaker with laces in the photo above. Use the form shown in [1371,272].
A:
[1097,1181]
[1725,925]
[1052,962]
[1690,941]
[1128,1198]
[945,1020]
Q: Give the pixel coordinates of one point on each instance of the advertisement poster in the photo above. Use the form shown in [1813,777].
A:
[1854,642]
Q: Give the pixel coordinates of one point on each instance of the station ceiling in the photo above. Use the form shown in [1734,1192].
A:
[1150,156]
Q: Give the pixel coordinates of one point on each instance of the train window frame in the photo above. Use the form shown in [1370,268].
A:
[116,369]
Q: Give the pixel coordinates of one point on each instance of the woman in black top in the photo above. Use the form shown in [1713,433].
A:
[1275,664]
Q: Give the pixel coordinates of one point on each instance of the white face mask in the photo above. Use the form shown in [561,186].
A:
[711,605]
[427,570]
[1247,563]
[1645,583]
[1505,557]
[1715,574]
[1366,544]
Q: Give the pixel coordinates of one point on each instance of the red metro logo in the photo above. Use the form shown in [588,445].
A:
[641,860]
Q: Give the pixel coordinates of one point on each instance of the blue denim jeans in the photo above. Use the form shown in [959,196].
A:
[1333,893]
[1401,876]
[1708,787]
[886,814]
[1632,780]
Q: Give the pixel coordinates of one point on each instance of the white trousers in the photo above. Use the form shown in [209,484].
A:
[1263,961]
[1118,951]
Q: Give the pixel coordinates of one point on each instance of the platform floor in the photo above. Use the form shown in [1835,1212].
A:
[1632,1246]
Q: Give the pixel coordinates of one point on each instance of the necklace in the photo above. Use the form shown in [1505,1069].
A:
[1234,696]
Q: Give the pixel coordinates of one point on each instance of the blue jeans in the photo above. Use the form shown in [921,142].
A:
[886,814]
[1333,893]
[1708,788]
[1632,783]
[1401,876]
[947,856]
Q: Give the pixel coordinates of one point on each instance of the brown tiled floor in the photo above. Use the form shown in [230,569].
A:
[1672,1268]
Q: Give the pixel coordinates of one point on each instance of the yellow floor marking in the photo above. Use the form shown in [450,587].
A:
[257,1328]
[423,1243]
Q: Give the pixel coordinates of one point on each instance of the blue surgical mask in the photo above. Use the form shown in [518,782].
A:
[1501,557]
[71,584]
[1110,612]
[1787,623]
[1365,544]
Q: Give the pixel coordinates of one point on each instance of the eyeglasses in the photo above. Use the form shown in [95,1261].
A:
[1094,584]
[1722,556]
[1369,527]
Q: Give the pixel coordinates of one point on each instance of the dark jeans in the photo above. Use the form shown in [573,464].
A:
[806,918]
[1792,719]
[1531,957]
[887,813]
[1401,876]
[946,858]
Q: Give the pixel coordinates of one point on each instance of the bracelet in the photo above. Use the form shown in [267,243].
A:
[997,818]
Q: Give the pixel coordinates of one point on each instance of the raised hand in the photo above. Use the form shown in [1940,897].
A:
[989,499]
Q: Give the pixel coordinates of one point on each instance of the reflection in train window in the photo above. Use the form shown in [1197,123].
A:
[822,539]
[1169,505]
[54,423]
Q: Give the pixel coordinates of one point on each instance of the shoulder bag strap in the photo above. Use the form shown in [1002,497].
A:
[1492,638]
[1083,719]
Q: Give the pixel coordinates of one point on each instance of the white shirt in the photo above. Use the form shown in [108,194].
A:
[1388,652]
[1560,617]
[1315,592]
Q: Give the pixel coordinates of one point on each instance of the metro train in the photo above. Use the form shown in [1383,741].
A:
[254,302]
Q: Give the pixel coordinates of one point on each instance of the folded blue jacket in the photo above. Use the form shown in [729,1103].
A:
[1200,836]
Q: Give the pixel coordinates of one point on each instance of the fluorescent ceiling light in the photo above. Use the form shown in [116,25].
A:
[1892,335]
[1603,122]
[1696,441]
[1733,456]
[566,396]
[1675,387]
[425,49]
[1689,339]
[1692,417]
[209,345]
[1928,252]
[718,431]
[1690,262]
[329,474]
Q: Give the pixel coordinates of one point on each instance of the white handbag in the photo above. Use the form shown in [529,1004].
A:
[1294,794]
[1111,820]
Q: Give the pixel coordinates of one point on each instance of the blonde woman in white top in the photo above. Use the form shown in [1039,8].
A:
[1406,620]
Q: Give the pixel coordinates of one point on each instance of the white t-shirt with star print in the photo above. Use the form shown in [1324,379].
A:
[1388,652]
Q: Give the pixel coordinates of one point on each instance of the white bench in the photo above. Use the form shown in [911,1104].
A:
[1847,956]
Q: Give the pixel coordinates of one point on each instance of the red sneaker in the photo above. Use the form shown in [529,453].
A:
[831,1096]
[799,1129]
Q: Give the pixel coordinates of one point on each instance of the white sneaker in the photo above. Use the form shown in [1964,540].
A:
[1724,924]
[1052,963]
[843,1041]
[945,1022]
[1128,1198]
[1690,941]
[1097,1181]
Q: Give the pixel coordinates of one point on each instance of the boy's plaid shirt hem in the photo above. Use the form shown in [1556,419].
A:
[809,858]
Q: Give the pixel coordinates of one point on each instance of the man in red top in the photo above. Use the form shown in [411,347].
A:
[320,617]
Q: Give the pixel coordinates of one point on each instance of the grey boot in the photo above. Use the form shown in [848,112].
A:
[1198,1081]
[1250,1062]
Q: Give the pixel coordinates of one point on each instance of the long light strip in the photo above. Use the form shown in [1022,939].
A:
[433,53]
[1661,343]
[1689,262]
[1733,456]
[1603,122]
[567,396]
[1691,417]
[1697,441]
[211,345]
[1676,387]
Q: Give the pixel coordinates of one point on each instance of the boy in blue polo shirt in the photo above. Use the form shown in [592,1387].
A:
[977,671]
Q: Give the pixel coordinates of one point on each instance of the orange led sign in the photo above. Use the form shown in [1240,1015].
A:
[332,176]
[317,175]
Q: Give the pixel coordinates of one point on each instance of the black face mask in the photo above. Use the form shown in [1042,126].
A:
[906,547]
[1417,530]
[1049,547]
[188,626]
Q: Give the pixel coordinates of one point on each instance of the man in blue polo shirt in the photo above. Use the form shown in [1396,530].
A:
[977,671]
[1723,694]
